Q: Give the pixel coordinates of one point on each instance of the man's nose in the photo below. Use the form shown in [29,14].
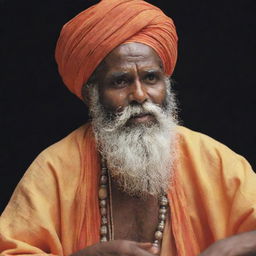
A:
[138,92]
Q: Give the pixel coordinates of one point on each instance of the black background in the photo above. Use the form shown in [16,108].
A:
[215,77]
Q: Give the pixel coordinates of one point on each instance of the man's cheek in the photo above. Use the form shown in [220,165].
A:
[113,104]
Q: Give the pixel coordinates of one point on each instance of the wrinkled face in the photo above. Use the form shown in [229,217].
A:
[131,75]
[133,119]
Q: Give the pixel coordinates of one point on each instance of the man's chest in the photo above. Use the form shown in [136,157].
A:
[135,219]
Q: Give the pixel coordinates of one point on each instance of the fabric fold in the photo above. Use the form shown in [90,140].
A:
[87,39]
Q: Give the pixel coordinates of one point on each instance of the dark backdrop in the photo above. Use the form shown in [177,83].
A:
[215,77]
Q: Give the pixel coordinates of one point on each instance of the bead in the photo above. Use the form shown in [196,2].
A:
[103,170]
[104,239]
[163,201]
[104,220]
[162,217]
[155,249]
[156,243]
[103,193]
[158,235]
[103,203]
[103,211]
[163,210]
[160,226]
[103,180]
[103,230]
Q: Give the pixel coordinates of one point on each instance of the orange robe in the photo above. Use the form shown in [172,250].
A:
[54,209]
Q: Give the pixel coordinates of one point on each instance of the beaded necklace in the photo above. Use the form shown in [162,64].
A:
[105,205]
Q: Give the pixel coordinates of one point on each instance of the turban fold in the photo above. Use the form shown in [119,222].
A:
[87,39]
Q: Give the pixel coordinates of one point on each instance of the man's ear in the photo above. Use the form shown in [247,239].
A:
[86,95]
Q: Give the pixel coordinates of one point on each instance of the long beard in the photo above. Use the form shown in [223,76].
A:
[139,157]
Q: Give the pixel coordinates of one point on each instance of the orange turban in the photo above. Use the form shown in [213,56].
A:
[86,39]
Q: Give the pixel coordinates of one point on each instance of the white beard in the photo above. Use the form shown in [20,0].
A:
[138,157]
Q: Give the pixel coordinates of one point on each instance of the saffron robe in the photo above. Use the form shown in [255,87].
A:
[54,209]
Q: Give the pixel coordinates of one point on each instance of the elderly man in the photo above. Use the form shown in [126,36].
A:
[130,182]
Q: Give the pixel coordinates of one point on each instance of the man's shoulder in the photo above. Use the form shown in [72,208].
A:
[195,144]
[72,142]
[65,153]
[194,139]
[199,154]
[208,165]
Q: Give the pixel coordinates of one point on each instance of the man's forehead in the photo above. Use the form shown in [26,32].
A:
[132,53]
[132,50]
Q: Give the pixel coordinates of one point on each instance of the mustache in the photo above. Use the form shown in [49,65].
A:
[119,119]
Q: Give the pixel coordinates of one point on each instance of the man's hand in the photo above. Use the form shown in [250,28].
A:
[239,245]
[118,248]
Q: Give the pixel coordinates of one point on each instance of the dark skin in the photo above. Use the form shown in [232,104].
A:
[133,74]
[130,74]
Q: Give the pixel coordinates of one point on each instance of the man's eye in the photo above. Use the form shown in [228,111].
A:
[120,82]
[151,78]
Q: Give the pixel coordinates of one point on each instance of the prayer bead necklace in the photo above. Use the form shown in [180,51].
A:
[105,205]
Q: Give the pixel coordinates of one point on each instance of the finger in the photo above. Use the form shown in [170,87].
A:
[141,252]
[149,247]
[154,250]
[145,246]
